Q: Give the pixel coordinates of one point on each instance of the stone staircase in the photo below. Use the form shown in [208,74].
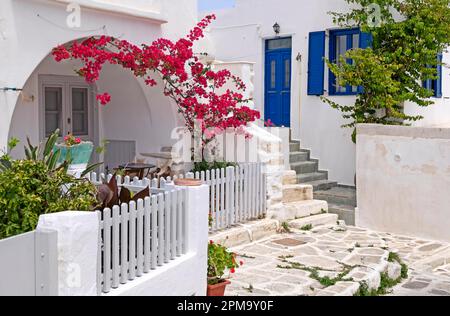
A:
[341,199]
[307,169]
[298,202]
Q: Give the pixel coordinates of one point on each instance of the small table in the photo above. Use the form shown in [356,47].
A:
[138,168]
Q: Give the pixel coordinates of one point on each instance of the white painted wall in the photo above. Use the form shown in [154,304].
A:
[26,39]
[78,234]
[239,34]
[403,176]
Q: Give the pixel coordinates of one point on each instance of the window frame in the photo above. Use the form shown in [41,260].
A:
[428,84]
[333,35]
[66,83]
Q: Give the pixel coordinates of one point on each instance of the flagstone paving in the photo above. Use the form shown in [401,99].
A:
[293,264]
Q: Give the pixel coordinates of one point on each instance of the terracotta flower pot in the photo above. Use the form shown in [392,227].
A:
[188,182]
[218,289]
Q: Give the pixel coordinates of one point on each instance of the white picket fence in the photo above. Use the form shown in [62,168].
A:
[136,238]
[237,194]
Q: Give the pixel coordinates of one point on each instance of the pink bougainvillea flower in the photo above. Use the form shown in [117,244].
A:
[269,123]
[196,88]
[104,98]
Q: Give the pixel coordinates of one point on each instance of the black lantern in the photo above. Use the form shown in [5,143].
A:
[276,28]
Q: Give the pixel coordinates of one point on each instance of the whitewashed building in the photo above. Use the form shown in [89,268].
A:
[38,95]
[290,75]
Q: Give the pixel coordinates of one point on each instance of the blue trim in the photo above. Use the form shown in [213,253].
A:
[316,63]
[435,85]
[363,41]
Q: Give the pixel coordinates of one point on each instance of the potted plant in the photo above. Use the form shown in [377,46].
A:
[219,260]
[76,151]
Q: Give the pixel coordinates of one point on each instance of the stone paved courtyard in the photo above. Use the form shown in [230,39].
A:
[336,260]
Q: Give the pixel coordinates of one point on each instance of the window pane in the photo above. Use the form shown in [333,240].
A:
[273,72]
[279,43]
[341,49]
[341,46]
[52,123]
[80,112]
[355,41]
[287,73]
[53,110]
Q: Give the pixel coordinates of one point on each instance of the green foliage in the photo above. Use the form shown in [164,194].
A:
[406,43]
[307,227]
[29,189]
[205,166]
[386,283]
[394,257]
[325,281]
[285,228]
[36,186]
[219,260]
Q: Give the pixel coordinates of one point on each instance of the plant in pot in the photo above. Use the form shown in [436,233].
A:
[219,261]
[76,151]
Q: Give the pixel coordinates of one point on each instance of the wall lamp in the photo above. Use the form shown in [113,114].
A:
[277,28]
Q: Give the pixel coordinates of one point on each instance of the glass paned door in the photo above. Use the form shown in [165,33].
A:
[66,106]
[53,104]
[80,111]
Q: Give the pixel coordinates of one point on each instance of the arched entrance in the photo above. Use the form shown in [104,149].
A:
[139,119]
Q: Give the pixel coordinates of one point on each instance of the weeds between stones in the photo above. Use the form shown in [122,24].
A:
[386,283]
[325,281]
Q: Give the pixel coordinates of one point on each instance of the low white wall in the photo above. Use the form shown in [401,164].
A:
[403,177]
[78,234]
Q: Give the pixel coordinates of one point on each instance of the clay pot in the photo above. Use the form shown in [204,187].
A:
[188,182]
[218,289]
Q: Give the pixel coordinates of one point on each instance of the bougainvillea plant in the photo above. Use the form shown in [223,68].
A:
[196,88]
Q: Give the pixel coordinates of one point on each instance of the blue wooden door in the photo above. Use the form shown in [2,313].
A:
[278,81]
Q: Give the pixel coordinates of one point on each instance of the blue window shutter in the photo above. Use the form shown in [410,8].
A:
[316,63]
[366,40]
[438,92]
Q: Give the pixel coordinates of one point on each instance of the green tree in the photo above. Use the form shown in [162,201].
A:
[408,35]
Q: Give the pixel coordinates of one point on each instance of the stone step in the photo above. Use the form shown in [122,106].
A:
[245,233]
[298,156]
[305,167]
[345,213]
[289,177]
[289,211]
[294,146]
[313,176]
[338,195]
[297,193]
[320,185]
[315,220]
